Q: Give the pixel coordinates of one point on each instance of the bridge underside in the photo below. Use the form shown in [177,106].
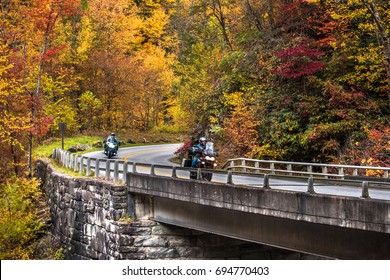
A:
[313,238]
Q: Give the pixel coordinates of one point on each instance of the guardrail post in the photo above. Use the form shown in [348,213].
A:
[76,163]
[65,159]
[243,165]
[355,172]
[152,170]
[125,170]
[60,157]
[116,170]
[199,174]
[97,167]
[365,193]
[72,160]
[266,182]
[257,167]
[59,154]
[229,177]
[272,167]
[289,168]
[134,167]
[341,171]
[231,163]
[88,172]
[81,165]
[174,175]
[310,185]
[69,160]
[386,174]
[76,158]
[108,170]
[325,171]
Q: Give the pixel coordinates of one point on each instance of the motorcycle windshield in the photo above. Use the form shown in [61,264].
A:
[111,145]
[209,150]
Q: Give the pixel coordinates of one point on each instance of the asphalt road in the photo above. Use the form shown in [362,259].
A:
[151,154]
[161,155]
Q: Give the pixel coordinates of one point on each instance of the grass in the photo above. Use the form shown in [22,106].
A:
[45,149]
[89,141]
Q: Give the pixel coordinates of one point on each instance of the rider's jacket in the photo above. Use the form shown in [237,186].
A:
[196,150]
[112,139]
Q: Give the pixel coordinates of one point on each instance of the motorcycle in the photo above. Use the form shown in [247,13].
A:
[110,148]
[206,160]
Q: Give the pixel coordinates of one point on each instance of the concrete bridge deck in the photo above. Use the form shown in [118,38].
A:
[324,225]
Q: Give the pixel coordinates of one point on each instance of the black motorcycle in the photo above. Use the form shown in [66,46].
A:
[110,148]
[206,160]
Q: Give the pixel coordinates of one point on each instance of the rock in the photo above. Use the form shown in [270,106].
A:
[72,149]
[98,145]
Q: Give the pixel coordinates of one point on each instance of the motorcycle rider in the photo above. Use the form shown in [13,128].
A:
[112,138]
[197,151]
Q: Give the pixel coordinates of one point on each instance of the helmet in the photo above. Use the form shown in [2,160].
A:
[112,134]
[202,139]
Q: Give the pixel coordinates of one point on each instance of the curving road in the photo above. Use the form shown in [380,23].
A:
[161,155]
[152,154]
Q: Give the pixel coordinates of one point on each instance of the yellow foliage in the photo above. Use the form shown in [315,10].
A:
[19,222]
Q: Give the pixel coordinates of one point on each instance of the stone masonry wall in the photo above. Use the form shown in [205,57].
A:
[90,218]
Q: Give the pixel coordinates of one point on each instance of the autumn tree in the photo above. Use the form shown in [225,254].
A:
[20,223]
[380,17]
[127,61]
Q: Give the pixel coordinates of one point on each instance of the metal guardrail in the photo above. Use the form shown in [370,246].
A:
[112,169]
[303,168]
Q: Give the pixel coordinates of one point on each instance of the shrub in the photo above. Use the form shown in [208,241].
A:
[19,220]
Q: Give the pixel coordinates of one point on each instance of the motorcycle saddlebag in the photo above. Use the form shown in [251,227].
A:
[186,162]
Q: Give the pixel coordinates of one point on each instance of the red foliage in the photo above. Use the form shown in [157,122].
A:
[298,61]
[41,125]
[52,52]
[182,150]
[326,28]
[301,50]
[46,12]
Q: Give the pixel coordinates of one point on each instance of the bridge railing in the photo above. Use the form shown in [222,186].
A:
[335,171]
[112,169]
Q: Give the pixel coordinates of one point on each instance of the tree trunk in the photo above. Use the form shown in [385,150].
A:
[254,16]
[271,20]
[218,13]
[52,17]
